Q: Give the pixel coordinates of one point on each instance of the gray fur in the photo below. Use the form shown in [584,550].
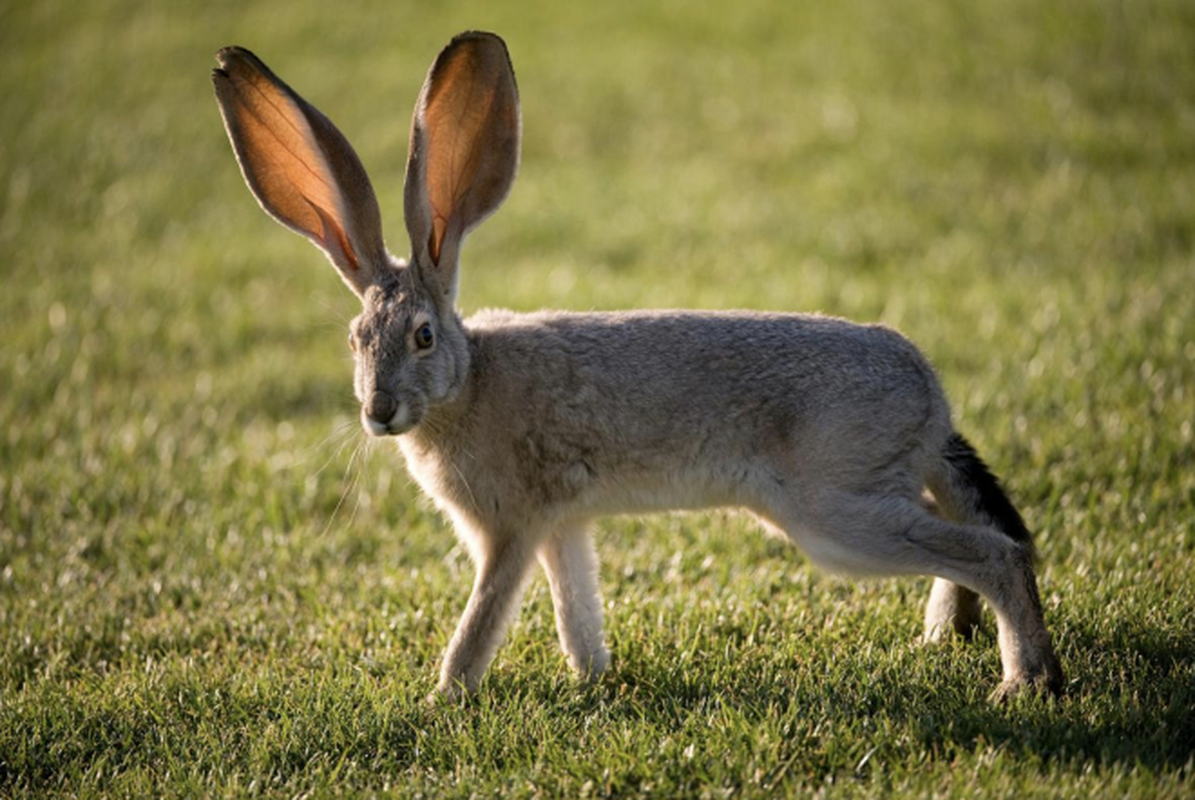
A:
[525,427]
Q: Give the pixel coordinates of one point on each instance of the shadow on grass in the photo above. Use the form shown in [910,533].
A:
[1130,704]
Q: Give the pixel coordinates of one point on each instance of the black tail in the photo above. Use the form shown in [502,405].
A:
[983,490]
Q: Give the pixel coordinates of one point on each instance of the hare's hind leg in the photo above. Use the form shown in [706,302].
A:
[570,563]
[950,608]
[882,535]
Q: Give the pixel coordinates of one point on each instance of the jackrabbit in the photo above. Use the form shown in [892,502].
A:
[524,427]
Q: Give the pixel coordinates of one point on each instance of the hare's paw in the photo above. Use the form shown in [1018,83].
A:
[591,668]
[1048,682]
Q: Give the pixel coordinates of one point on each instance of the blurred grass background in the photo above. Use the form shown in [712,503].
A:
[208,586]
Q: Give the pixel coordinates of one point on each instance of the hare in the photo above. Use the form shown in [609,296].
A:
[525,427]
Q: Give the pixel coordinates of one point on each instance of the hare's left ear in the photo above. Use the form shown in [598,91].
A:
[464,153]
[300,168]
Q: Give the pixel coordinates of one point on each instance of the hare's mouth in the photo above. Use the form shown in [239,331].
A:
[398,422]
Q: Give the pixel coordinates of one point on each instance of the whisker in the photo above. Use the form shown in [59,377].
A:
[340,438]
[468,488]
[333,311]
[349,481]
[367,447]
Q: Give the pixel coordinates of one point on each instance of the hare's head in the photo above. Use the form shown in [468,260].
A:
[410,350]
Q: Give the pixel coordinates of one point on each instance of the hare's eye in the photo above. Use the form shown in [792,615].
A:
[424,337]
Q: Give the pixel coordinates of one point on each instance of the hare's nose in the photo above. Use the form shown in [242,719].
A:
[381,407]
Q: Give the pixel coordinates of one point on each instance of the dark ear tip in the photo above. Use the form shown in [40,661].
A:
[465,36]
[478,39]
[234,56]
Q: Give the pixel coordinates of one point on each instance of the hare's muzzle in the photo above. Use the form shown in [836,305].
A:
[383,415]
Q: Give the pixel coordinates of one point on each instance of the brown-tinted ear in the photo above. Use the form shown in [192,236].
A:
[464,152]
[301,169]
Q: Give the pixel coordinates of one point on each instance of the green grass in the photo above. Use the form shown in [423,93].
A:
[208,586]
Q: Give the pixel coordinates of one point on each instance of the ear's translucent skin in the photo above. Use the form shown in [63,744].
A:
[464,153]
[301,169]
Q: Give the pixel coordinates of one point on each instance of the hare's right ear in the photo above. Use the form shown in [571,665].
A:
[301,169]
[464,153]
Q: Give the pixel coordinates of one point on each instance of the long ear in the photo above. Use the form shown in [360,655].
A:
[302,170]
[464,152]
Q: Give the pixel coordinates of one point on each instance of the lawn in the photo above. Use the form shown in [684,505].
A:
[212,584]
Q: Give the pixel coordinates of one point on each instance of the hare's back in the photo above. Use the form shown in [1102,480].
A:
[672,369]
[671,355]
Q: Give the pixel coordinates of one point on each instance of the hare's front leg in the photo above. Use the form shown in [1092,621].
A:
[571,566]
[496,592]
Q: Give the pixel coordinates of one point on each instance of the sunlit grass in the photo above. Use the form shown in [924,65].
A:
[210,584]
